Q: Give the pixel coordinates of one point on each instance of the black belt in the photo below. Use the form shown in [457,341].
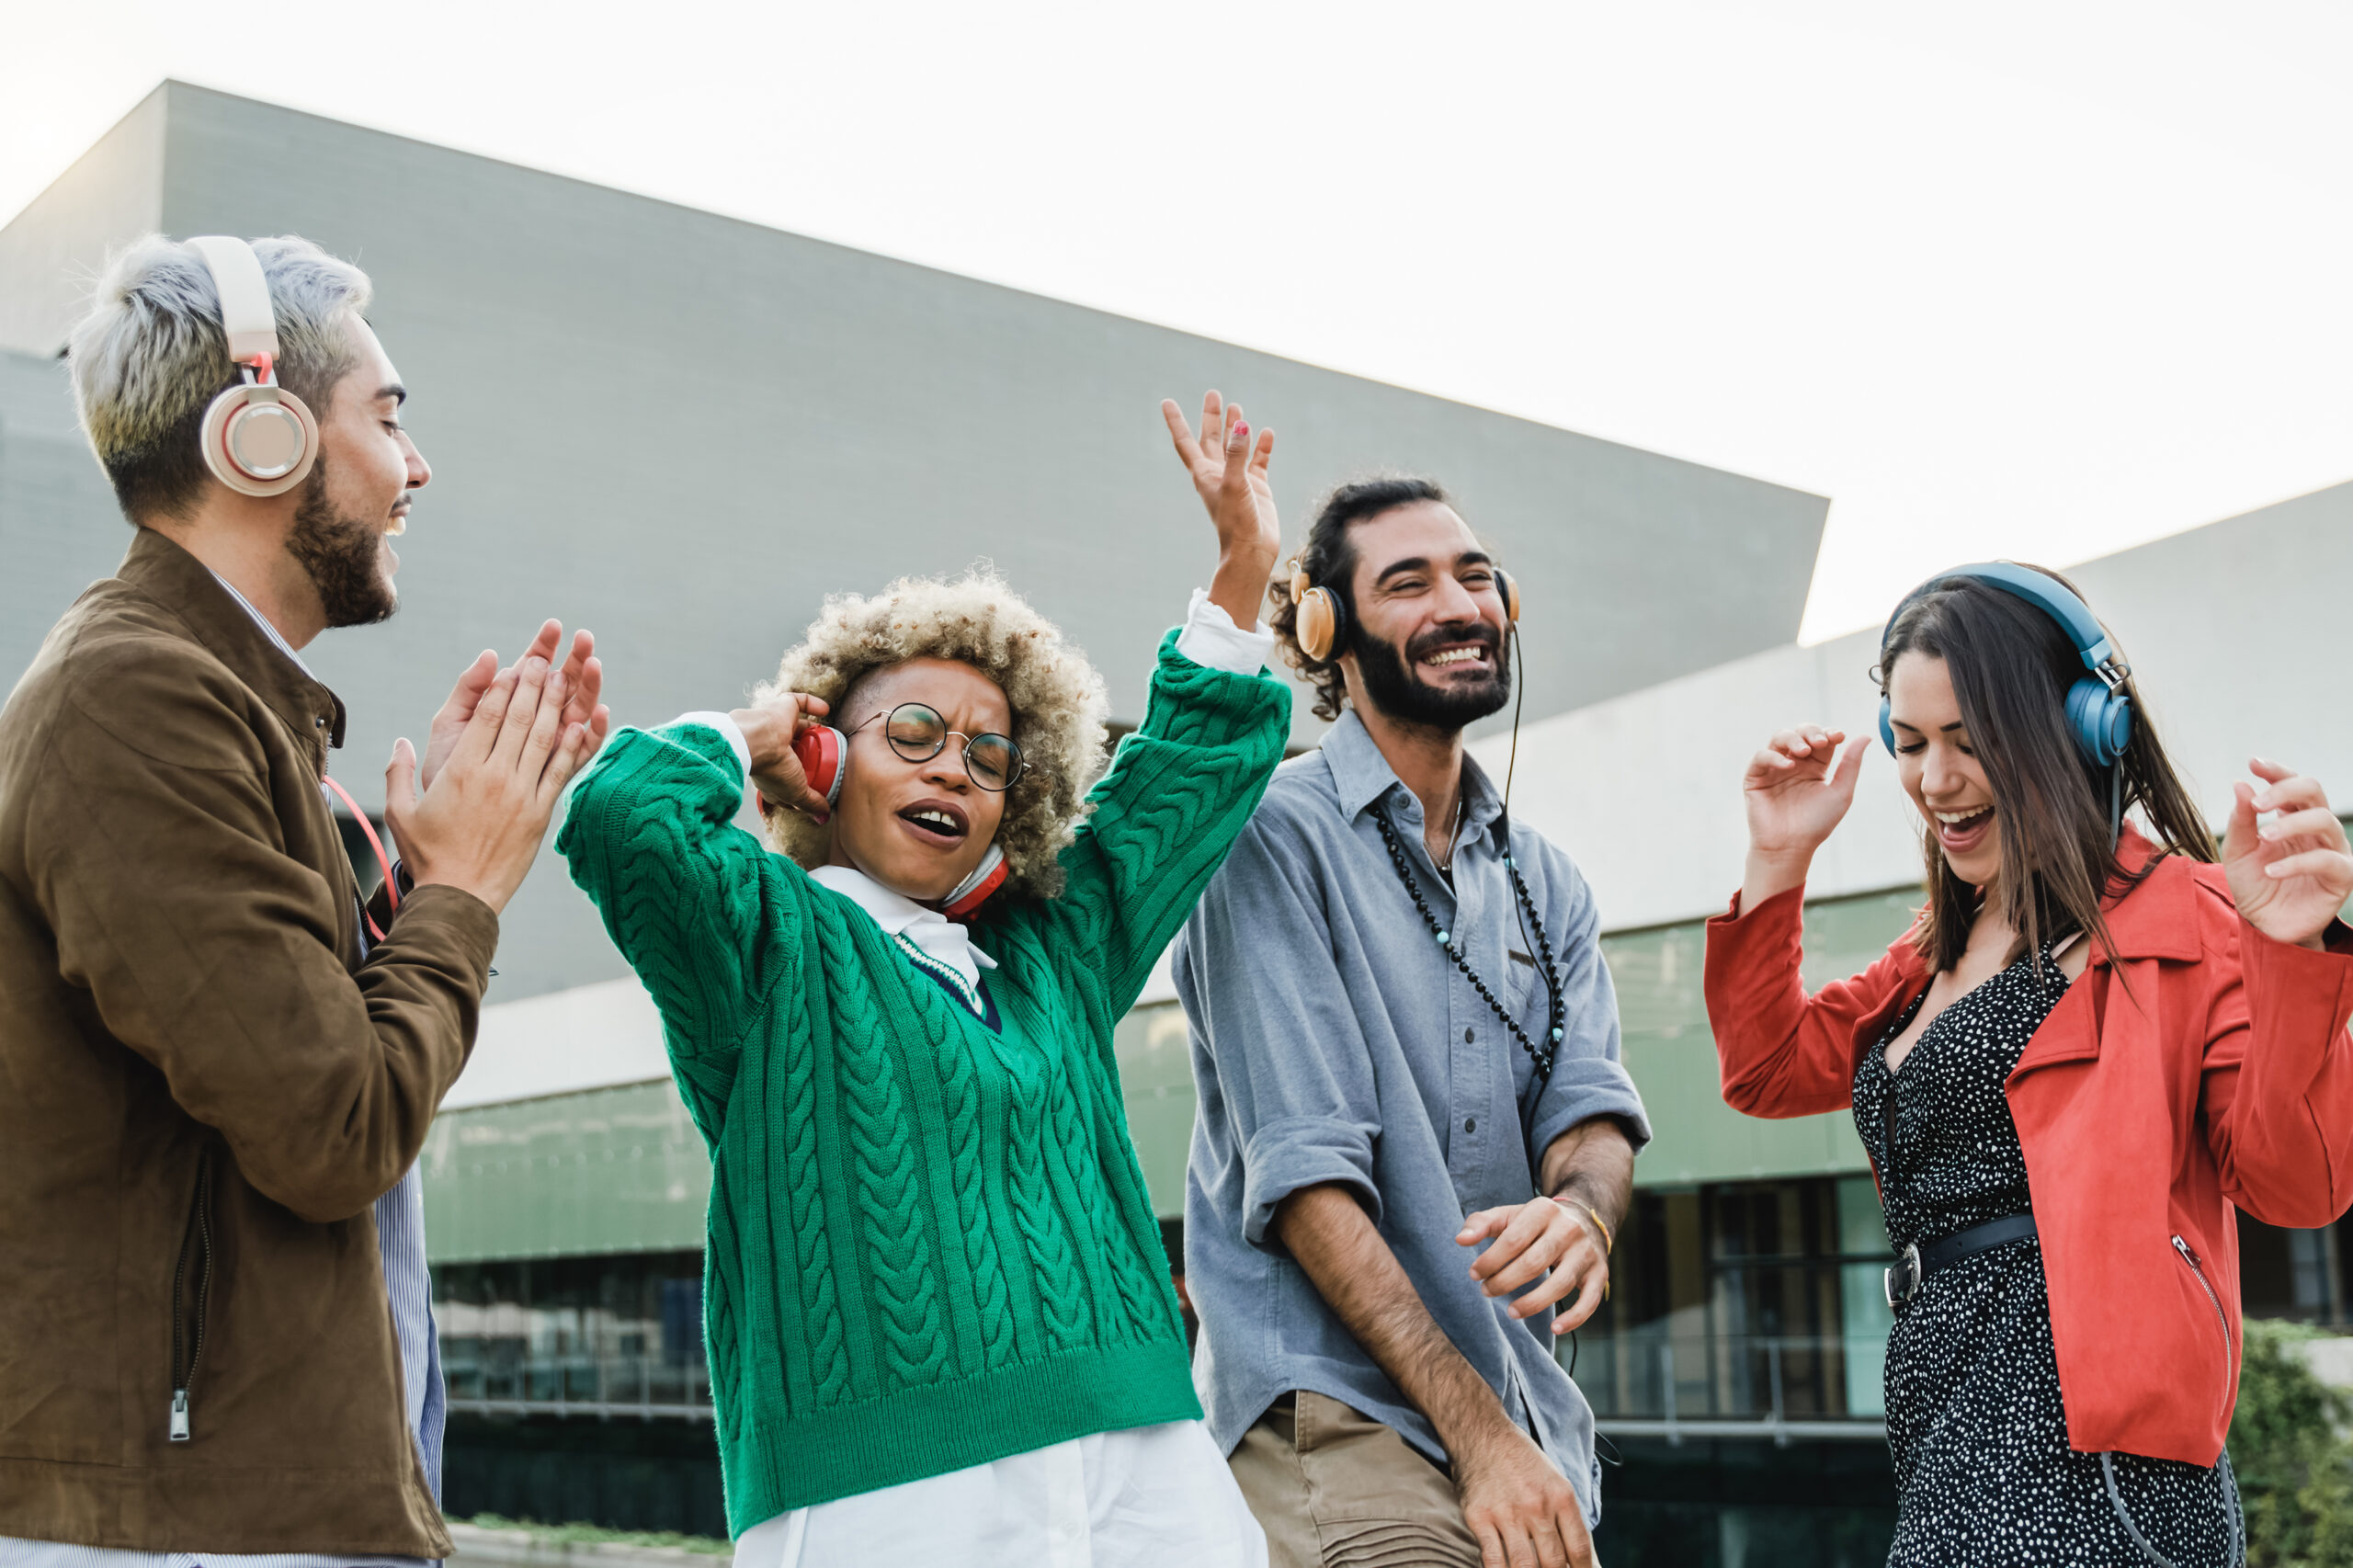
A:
[1917,1262]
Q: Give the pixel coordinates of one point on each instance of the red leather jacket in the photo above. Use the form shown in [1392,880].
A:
[2196,1068]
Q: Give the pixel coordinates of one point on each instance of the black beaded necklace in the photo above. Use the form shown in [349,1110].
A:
[1539,1055]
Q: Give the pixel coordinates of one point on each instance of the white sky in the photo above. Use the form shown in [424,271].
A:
[2034,279]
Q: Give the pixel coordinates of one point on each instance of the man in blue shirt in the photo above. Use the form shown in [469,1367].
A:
[1416,1140]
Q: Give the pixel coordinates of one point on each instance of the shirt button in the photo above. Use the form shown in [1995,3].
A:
[1469,1124]
[1466,1037]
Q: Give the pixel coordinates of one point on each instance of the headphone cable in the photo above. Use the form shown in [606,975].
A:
[1518,701]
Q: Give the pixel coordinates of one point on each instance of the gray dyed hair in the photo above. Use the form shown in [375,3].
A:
[150,355]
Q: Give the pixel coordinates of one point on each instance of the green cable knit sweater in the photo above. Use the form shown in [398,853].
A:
[930,1244]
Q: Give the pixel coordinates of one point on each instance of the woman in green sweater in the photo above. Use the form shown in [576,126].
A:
[939,1321]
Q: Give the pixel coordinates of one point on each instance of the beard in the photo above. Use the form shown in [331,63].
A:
[1393,687]
[338,553]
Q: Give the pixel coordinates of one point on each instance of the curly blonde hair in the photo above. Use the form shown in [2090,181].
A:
[1058,703]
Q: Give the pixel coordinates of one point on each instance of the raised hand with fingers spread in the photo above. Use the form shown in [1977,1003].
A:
[1798,788]
[1229,475]
[2292,875]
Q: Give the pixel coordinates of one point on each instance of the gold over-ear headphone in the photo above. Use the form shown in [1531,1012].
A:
[259,438]
[1322,622]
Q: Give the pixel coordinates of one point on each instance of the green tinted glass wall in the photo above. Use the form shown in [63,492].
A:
[1672,1055]
[622,1170]
[604,1171]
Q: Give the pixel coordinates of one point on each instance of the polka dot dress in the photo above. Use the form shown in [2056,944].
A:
[1983,1472]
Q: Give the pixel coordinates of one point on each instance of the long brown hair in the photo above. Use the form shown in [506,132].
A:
[2011,665]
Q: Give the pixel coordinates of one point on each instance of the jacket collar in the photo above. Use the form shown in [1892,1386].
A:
[181,584]
[1360,775]
[2158,917]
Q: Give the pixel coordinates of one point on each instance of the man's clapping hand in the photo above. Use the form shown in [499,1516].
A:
[584,684]
[478,823]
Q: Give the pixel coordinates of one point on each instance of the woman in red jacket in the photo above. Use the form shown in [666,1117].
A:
[2091,1047]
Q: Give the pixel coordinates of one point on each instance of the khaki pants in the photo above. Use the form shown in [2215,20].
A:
[1335,1489]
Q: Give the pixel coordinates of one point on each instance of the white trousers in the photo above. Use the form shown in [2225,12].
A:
[1150,1495]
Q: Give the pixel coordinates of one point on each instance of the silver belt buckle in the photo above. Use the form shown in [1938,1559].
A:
[1903,1281]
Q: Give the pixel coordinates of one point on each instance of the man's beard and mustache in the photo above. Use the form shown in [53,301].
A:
[1393,687]
[339,555]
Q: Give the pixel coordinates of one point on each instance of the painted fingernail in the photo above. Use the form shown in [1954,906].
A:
[1240,434]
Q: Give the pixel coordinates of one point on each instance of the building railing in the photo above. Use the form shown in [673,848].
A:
[1666,1381]
[567,1385]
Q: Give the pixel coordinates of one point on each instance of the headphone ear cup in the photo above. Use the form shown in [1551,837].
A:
[1886,726]
[975,889]
[259,439]
[824,760]
[1511,596]
[1320,623]
[2100,720]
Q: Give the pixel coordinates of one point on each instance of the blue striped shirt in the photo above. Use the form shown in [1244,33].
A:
[400,1247]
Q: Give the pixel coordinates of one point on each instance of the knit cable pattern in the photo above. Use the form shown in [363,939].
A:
[856,1116]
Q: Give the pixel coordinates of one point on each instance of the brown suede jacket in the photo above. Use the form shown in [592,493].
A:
[202,1092]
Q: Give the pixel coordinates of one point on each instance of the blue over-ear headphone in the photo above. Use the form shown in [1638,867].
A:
[2099,714]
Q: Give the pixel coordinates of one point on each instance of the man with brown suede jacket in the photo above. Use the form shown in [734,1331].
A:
[216,1066]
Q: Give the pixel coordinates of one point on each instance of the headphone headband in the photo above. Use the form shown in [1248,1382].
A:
[247,316]
[2098,713]
[2048,595]
[257,438]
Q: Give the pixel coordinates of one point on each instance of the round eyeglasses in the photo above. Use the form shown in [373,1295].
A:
[917,733]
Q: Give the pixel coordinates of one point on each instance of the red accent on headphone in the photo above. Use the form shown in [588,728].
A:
[392,884]
[822,753]
[978,895]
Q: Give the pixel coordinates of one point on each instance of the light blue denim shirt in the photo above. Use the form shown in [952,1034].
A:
[1333,1042]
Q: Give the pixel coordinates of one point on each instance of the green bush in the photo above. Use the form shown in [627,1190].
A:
[2293,1460]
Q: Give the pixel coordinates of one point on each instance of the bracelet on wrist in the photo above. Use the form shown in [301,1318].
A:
[1608,1242]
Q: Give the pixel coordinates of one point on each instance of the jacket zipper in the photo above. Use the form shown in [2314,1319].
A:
[2198,1271]
[186,1335]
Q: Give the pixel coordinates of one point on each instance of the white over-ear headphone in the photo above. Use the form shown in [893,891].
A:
[259,438]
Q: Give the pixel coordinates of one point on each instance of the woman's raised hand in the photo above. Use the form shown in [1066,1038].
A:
[769,729]
[1797,788]
[2292,874]
[1230,476]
